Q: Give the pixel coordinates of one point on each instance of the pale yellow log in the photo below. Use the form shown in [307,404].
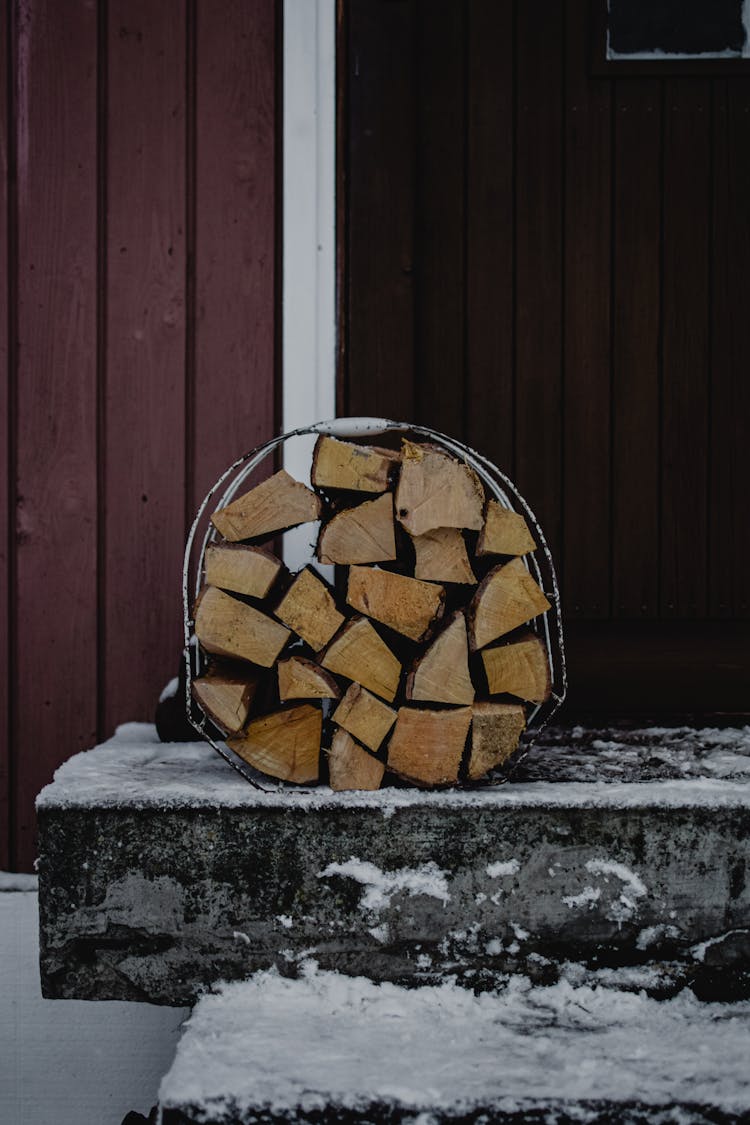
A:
[495,731]
[363,534]
[364,716]
[507,597]
[284,744]
[360,654]
[350,766]
[435,490]
[276,503]
[344,465]
[426,747]
[300,678]
[241,569]
[520,669]
[404,604]
[441,675]
[228,627]
[441,557]
[225,699]
[504,532]
[309,610]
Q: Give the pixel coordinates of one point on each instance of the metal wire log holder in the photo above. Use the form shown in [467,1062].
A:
[548,626]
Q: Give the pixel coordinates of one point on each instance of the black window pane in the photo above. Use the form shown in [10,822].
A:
[686,27]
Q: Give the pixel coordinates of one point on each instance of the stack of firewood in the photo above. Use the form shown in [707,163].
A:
[395,670]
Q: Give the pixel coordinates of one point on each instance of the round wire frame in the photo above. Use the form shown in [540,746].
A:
[548,626]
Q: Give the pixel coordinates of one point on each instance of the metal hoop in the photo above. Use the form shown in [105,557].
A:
[548,625]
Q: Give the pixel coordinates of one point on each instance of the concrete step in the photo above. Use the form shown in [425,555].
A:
[161,871]
[326,1048]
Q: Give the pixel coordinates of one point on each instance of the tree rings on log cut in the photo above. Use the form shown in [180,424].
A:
[393,671]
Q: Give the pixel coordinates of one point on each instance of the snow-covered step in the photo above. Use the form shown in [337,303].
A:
[162,871]
[327,1048]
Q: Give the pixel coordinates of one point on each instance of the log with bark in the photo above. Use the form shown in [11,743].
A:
[408,668]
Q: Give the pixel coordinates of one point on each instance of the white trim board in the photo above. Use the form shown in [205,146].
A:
[309,234]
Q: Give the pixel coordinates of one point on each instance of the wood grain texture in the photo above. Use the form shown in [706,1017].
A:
[5,432]
[235,234]
[488,396]
[381,210]
[636,349]
[586,398]
[539,262]
[729,531]
[685,348]
[145,357]
[55,663]
[440,218]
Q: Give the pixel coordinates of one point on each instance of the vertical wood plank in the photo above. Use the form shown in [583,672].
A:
[145,353]
[685,312]
[55,658]
[489,231]
[439,227]
[380,202]
[539,237]
[4,454]
[636,352]
[729,529]
[586,503]
[235,233]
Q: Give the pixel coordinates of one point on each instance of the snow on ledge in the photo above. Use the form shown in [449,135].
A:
[443,1048]
[133,770]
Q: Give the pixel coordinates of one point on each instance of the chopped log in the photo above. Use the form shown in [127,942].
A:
[300,678]
[308,609]
[441,675]
[344,465]
[241,569]
[504,532]
[364,534]
[441,557]
[505,598]
[520,669]
[228,627]
[275,504]
[284,744]
[495,731]
[225,697]
[360,654]
[436,490]
[350,766]
[427,746]
[365,716]
[404,604]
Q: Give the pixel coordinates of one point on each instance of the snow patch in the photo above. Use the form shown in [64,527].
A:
[587,897]
[650,935]
[436,1048]
[624,906]
[500,869]
[698,952]
[380,886]
[135,770]
[170,690]
[12,881]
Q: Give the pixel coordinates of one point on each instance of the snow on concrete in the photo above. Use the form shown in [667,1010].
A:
[69,1062]
[380,886]
[350,1042]
[502,868]
[696,768]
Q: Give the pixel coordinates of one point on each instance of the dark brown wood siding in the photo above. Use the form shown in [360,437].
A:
[552,266]
[138,257]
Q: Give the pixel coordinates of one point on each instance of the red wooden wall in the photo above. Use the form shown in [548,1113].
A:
[552,264]
[138,259]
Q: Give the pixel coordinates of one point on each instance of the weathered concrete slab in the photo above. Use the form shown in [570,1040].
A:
[327,1048]
[161,871]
